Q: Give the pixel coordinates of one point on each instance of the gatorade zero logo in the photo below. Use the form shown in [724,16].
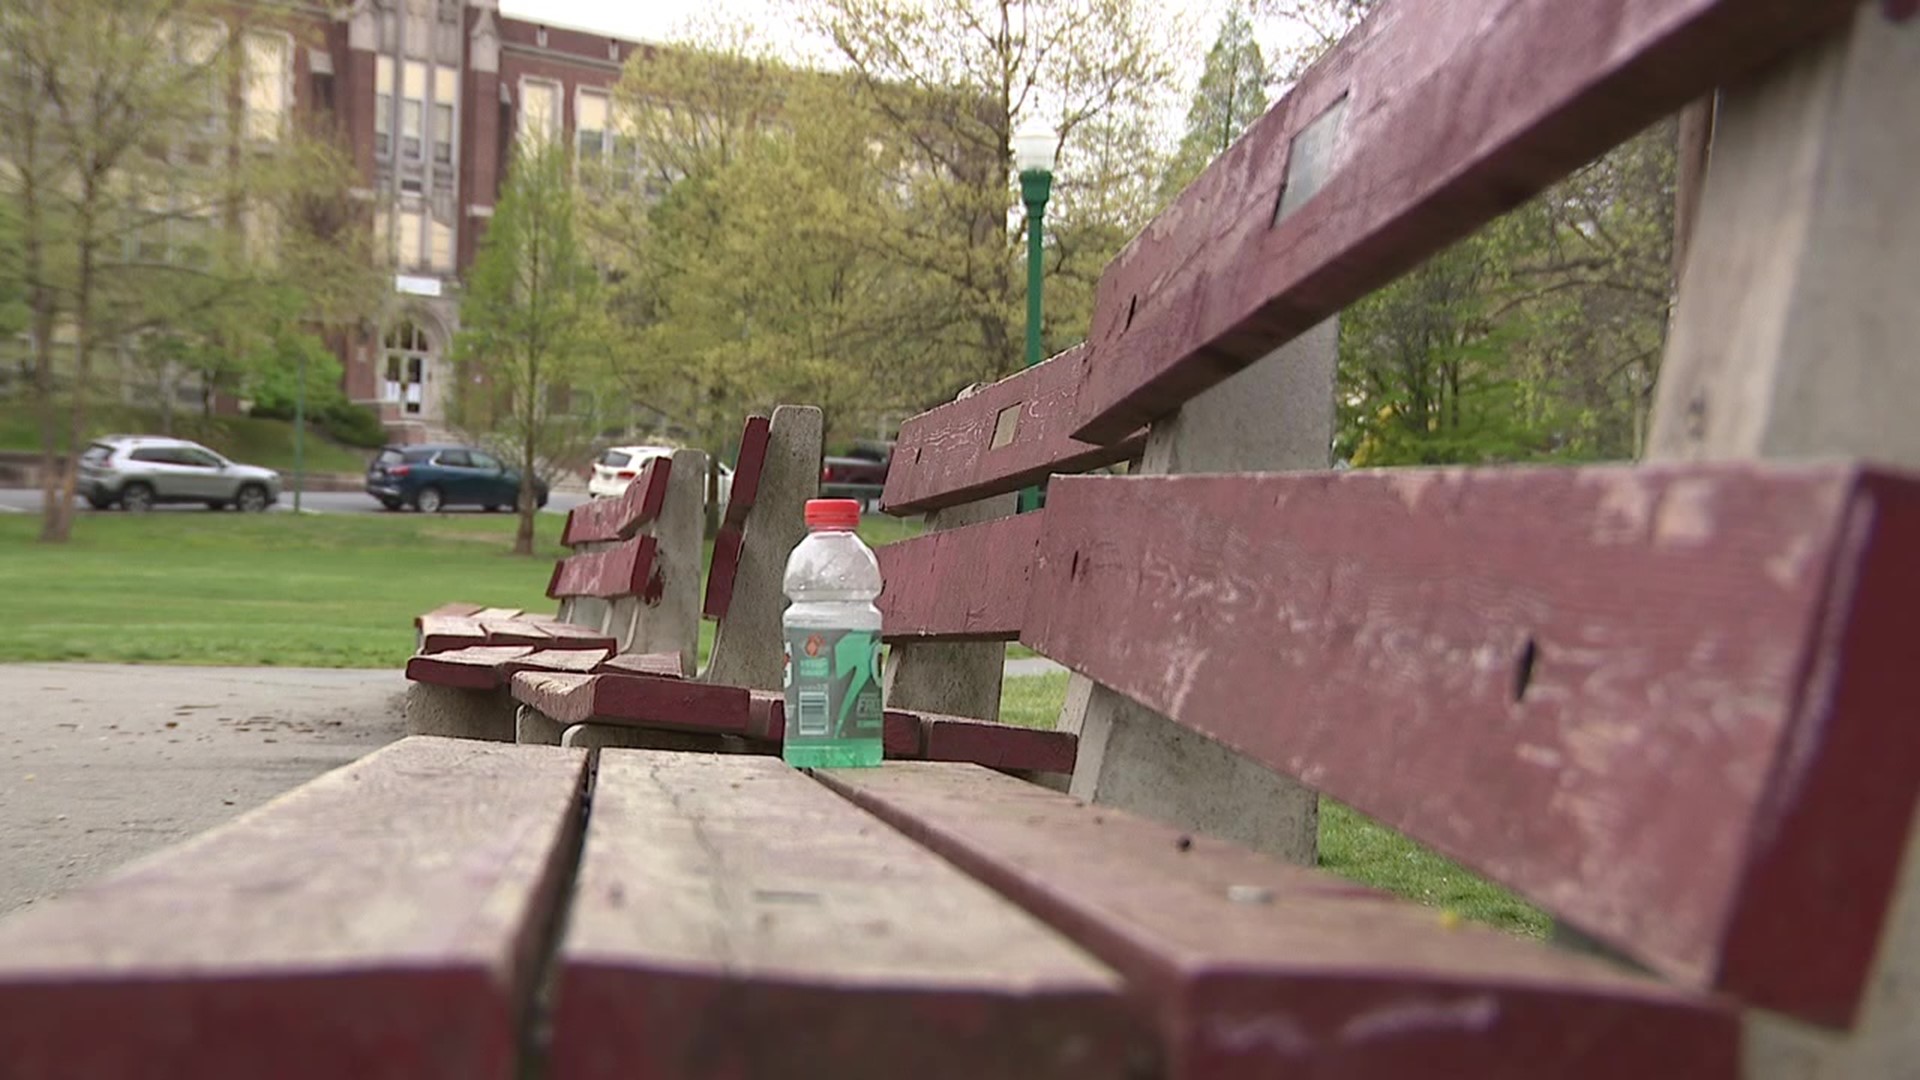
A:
[814,644]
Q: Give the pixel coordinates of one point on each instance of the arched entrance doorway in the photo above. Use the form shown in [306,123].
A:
[410,356]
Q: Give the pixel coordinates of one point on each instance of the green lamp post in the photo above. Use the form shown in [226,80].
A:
[1033,147]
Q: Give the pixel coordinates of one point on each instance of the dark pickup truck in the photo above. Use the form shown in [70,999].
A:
[860,474]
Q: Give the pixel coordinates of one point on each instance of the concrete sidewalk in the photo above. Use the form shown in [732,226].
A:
[103,763]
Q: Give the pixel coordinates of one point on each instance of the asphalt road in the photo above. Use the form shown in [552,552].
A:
[27,500]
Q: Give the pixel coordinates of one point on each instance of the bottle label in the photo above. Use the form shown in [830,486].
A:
[833,684]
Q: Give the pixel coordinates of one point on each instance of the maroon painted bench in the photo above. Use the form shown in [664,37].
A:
[627,594]
[612,583]
[1668,703]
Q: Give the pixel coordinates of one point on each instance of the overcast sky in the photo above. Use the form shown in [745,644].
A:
[666,20]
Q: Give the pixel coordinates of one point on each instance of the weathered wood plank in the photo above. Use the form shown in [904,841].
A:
[733,918]
[384,920]
[721,571]
[440,633]
[562,635]
[750,558]
[576,661]
[636,700]
[1255,967]
[658,665]
[964,584]
[910,735]
[748,466]
[995,745]
[1000,438]
[508,631]
[496,613]
[476,668]
[622,571]
[1438,117]
[456,610]
[599,521]
[1585,683]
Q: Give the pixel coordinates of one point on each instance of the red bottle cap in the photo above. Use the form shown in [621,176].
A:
[833,514]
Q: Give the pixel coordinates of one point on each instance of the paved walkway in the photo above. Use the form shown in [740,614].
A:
[100,763]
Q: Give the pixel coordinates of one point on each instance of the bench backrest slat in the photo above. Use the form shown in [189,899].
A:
[603,521]
[621,571]
[1583,682]
[724,566]
[1438,119]
[999,438]
[964,584]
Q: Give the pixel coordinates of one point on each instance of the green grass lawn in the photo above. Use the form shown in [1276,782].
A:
[267,443]
[339,590]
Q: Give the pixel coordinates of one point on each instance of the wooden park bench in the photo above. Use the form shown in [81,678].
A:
[1666,702]
[630,596]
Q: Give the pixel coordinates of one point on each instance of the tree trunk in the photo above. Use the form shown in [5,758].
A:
[57,526]
[523,536]
[44,399]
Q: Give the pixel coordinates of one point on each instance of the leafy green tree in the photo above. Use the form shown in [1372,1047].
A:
[533,331]
[1232,94]
[948,81]
[143,194]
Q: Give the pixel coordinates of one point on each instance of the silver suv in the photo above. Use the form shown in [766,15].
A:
[137,472]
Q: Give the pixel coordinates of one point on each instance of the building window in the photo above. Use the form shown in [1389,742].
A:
[446,91]
[539,111]
[269,79]
[413,104]
[198,45]
[383,106]
[412,225]
[442,254]
[590,127]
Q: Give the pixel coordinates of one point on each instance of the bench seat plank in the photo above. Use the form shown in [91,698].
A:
[478,668]
[657,665]
[910,735]
[384,920]
[636,700]
[494,613]
[964,584]
[734,918]
[511,631]
[1651,699]
[1000,438]
[442,633]
[454,610]
[1255,967]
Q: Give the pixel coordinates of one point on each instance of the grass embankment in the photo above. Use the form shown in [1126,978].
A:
[250,441]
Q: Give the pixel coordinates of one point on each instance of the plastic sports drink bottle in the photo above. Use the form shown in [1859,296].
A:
[833,643]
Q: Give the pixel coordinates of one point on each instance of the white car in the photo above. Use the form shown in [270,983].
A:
[618,466]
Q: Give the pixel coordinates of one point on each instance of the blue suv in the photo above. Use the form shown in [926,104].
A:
[431,478]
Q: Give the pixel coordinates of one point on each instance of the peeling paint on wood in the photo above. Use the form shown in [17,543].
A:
[998,439]
[1610,688]
[1456,113]
[1254,967]
[963,584]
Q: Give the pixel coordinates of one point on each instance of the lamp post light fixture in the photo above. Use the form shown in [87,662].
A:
[1033,147]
